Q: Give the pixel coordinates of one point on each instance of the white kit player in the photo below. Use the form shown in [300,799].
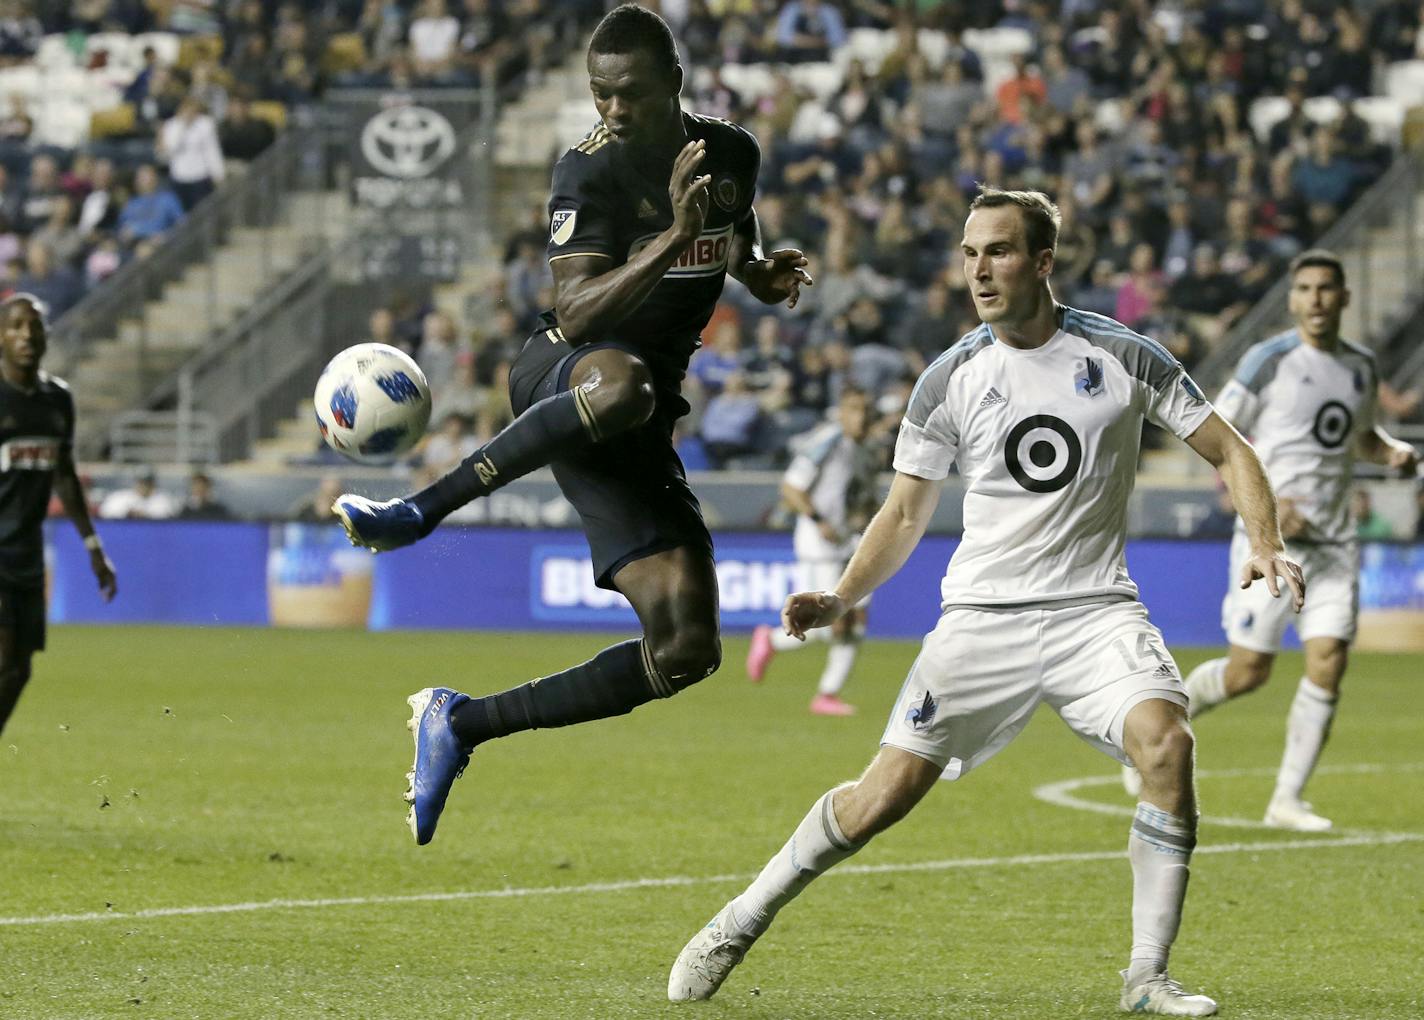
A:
[1307,400]
[831,486]
[1041,407]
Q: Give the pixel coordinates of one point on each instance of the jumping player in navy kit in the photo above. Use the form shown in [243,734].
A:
[36,436]
[648,214]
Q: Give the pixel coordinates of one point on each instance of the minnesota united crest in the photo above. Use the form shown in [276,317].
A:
[1089,382]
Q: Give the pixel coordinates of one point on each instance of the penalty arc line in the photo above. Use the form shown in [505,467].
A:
[952,864]
[1061,793]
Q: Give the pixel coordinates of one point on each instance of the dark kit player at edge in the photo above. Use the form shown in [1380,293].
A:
[648,215]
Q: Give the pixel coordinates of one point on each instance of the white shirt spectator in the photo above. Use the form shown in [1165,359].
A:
[142,501]
[433,39]
[192,149]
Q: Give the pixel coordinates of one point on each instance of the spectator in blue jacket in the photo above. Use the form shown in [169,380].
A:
[151,212]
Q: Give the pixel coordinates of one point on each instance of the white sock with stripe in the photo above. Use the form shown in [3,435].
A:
[784,642]
[1307,728]
[817,844]
[1159,846]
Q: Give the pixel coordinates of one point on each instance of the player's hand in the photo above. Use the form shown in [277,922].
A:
[779,277]
[1293,522]
[807,610]
[1272,567]
[104,574]
[1402,458]
[689,191]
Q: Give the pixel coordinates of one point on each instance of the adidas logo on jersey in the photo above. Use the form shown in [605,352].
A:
[646,210]
[1164,671]
[993,397]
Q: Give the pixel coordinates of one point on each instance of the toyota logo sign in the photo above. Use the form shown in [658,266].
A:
[407,141]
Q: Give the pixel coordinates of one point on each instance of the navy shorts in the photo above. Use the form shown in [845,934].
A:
[630,490]
[22,611]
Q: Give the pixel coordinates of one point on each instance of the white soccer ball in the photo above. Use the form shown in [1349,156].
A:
[372,403]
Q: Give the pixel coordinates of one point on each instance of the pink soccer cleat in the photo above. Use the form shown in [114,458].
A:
[760,654]
[830,704]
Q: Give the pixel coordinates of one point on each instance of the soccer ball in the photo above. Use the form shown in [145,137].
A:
[372,403]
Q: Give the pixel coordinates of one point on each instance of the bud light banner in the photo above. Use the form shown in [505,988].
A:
[520,579]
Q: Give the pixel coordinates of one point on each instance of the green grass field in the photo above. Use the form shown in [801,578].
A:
[152,769]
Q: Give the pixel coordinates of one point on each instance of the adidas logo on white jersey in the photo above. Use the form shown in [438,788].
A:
[1164,670]
[993,397]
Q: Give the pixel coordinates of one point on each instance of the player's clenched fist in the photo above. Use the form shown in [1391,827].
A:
[688,190]
[807,610]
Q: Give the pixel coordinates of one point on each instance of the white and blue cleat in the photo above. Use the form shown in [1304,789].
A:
[379,527]
[439,758]
[1159,994]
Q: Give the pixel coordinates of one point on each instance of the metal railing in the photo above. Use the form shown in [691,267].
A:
[1390,202]
[254,200]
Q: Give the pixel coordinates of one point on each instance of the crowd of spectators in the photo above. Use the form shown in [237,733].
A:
[70,217]
[1133,115]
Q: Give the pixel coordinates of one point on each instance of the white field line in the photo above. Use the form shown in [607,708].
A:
[1062,793]
[1017,860]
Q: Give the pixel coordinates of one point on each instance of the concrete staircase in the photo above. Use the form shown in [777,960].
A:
[118,373]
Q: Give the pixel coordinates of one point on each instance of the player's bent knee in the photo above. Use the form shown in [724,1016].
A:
[622,396]
[687,658]
[1167,749]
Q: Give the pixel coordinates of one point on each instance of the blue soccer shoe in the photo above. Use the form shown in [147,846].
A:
[379,527]
[439,758]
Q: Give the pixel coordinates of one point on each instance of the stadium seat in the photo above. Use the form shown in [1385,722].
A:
[822,80]
[116,121]
[119,49]
[21,78]
[1404,81]
[165,44]
[998,43]
[870,46]
[1385,115]
[61,122]
[750,81]
[193,49]
[272,112]
[54,52]
[344,52]
[1265,113]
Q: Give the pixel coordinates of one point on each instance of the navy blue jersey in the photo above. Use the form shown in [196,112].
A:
[609,199]
[36,430]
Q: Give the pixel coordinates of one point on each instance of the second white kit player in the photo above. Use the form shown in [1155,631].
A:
[830,484]
[1307,400]
[1042,409]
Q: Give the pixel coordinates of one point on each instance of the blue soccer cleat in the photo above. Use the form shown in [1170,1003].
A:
[439,758]
[379,527]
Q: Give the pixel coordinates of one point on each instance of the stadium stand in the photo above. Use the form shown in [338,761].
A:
[1193,150]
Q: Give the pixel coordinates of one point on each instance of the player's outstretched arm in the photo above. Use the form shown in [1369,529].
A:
[71,495]
[1379,447]
[1222,447]
[590,301]
[891,536]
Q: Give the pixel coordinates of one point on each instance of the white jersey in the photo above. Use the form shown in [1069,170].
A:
[1303,409]
[839,474]
[1047,442]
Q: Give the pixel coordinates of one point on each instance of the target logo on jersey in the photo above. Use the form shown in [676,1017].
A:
[1043,453]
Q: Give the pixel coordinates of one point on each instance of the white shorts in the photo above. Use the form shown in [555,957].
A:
[982,672]
[1254,620]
